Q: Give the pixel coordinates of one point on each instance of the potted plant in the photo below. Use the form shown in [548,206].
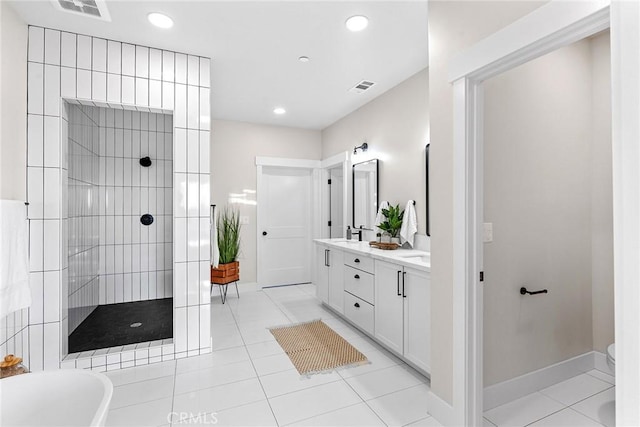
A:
[228,230]
[392,222]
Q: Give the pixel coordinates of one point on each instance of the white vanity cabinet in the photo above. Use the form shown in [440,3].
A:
[402,321]
[329,276]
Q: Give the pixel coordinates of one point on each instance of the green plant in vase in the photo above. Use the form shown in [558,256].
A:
[392,222]
[228,230]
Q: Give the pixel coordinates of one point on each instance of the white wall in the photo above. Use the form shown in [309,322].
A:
[234,147]
[14,337]
[539,176]
[396,127]
[453,26]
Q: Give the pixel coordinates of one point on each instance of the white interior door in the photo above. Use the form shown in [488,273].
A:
[284,233]
[336,208]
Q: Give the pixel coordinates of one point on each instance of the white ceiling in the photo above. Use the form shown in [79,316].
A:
[255,47]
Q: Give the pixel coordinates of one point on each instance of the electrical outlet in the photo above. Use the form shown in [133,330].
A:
[488,232]
[244,220]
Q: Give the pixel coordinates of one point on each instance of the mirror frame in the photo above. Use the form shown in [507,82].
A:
[428,205]
[353,190]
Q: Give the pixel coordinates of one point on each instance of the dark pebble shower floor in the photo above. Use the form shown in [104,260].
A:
[110,325]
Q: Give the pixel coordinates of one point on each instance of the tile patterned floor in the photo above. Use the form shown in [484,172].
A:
[249,381]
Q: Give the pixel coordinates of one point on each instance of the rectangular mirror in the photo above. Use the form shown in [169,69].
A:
[365,194]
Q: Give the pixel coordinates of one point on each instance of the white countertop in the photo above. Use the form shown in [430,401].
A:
[420,260]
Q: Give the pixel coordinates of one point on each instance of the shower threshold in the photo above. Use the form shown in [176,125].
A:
[122,324]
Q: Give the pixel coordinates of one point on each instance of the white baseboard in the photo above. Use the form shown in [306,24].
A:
[440,410]
[600,360]
[515,388]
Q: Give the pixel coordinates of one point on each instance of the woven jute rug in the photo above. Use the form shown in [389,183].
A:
[313,348]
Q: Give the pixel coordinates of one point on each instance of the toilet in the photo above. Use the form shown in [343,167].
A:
[611,356]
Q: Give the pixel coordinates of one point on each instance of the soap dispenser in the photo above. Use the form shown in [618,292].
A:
[348,232]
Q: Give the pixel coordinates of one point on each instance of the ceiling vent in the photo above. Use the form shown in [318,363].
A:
[362,86]
[92,8]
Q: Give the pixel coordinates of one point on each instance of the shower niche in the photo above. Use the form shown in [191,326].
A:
[120,227]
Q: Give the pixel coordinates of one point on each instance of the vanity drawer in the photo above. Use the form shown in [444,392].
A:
[359,312]
[360,262]
[359,283]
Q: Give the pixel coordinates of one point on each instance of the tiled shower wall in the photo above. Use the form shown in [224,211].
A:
[83,211]
[105,73]
[135,260]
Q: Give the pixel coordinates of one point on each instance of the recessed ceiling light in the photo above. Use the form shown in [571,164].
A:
[357,23]
[279,111]
[304,59]
[160,20]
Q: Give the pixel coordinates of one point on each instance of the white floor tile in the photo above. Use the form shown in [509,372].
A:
[356,415]
[426,422]
[566,418]
[153,413]
[226,341]
[601,407]
[575,389]
[313,401]
[217,375]
[215,358]
[487,423]
[402,407]
[523,411]
[378,360]
[257,335]
[272,364]
[290,380]
[142,373]
[142,391]
[253,414]
[262,349]
[602,376]
[219,398]
[384,381]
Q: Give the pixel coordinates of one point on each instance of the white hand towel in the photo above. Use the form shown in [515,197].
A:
[379,216]
[215,250]
[15,293]
[409,223]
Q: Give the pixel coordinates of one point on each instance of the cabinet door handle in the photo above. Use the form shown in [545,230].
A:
[398,283]
[357,261]
[356,305]
[404,273]
[357,276]
[328,258]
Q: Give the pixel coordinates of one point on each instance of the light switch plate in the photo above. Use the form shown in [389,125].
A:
[488,232]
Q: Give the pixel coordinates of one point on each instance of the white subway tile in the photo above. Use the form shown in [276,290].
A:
[205,247]
[180,107]
[68,82]
[36,348]
[99,86]
[180,329]
[204,194]
[113,88]
[51,296]
[193,70]
[193,107]
[193,195]
[52,141]
[52,245]
[142,92]
[84,52]
[142,62]
[193,322]
[68,50]
[167,95]
[155,64]
[128,59]
[83,84]
[99,55]
[52,194]
[193,282]
[180,194]
[36,310]
[205,111]
[180,240]
[52,47]
[193,151]
[36,249]
[128,90]
[168,66]
[114,57]
[181,68]
[205,143]
[35,138]
[35,185]
[180,151]
[36,44]
[52,345]
[155,94]
[35,94]
[52,90]
[205,73]
[205,325]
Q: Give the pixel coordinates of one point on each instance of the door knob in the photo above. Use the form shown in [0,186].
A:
[264,233]
[356,305]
